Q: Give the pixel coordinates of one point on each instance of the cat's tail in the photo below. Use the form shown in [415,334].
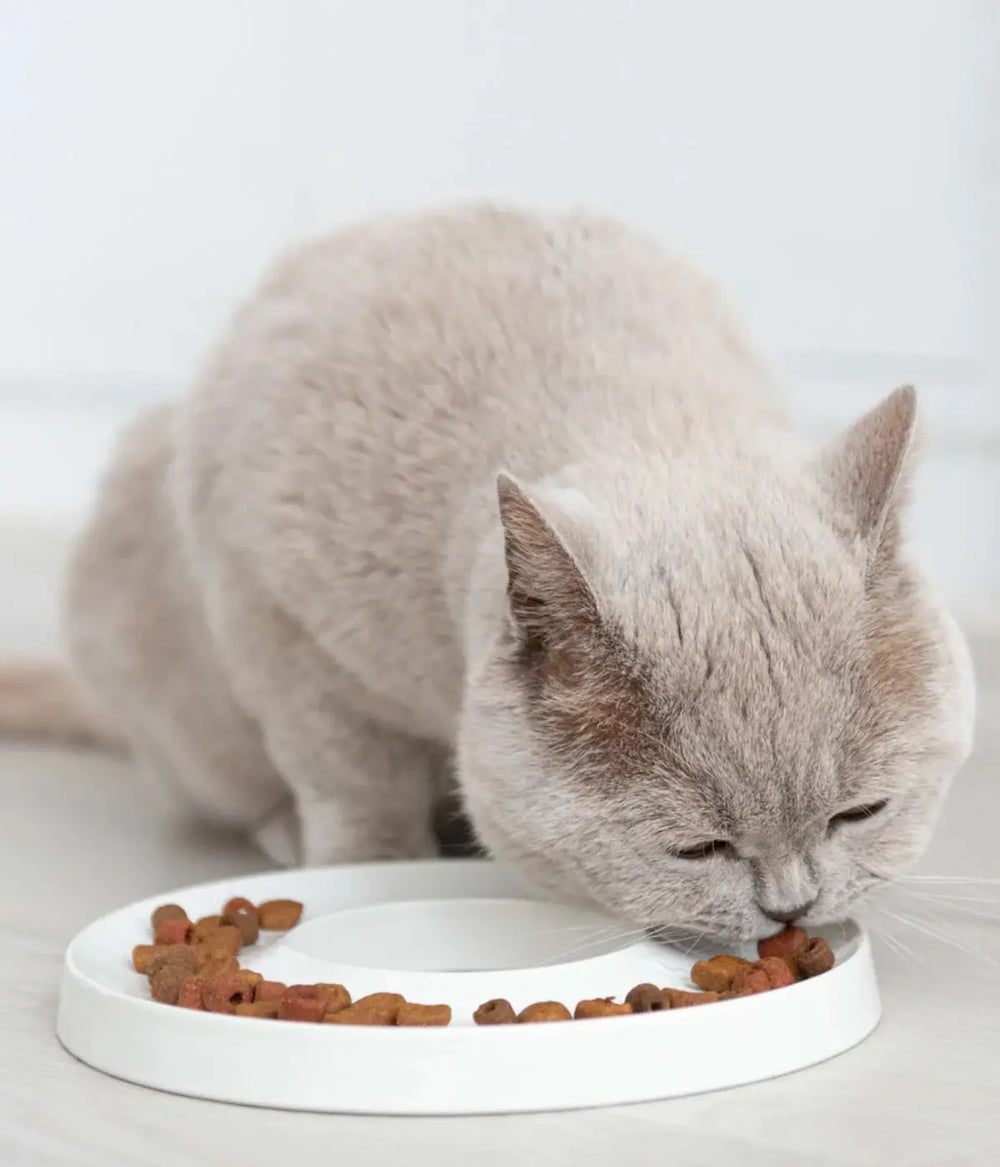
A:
[41,701]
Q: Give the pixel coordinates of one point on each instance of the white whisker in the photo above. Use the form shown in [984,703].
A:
[590,927]
[895,944]
[927,929]
[949,896]
[579,950]
[946,903]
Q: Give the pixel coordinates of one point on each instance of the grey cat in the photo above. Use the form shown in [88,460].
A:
[513,493]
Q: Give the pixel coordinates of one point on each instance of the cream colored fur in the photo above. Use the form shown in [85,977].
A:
[297,602]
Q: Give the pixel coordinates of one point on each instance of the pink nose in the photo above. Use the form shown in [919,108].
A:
[790,916]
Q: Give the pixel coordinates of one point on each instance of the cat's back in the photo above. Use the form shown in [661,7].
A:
[381,376]
[480,336]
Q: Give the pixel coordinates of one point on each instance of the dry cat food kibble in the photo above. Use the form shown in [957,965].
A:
[239,904]
[196,966]
[279,915]
[777,971]
[545,1011]
[143,955]
[716,975]
[375,1009]
[647,998]
[173,931]
[785,943]
[305,1002]
[248,924]
[410,1014]
[165,983]
[176,954]
[269,991]
[337,997]
[600,1007]
[221,994]
[191,993]
[681,998]
[302,1003]
[815,957]
[257,1008]
[204,927]
[749,981]
[167,912]
[496,1012]
[217,966]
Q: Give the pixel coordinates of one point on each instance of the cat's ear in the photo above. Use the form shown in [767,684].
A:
[867,467]
[549,598]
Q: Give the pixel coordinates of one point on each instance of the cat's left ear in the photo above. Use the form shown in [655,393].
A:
[549,600]
[867,468]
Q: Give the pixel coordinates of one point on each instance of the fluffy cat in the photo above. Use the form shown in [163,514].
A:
[513,493]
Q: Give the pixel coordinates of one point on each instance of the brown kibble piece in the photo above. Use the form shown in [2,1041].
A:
[600,1007]
[375,1009]
[302,1003]
[247,924]
[380,1005]
[337,997]
[224,992]
[221,941]
[495,1012]
[779,975]
[238,904]
[410,1014]
[784,943]
[167,912]
[258,1009]
[179,954]
[165,985]
[647,999]
[716,975]
[792,965]
[681,998]
[217,966]
[190,995]
[279,915]
[751,980]
[143,955]
[228,936]
[815,957]
[174,931]
[545,1011]
[269,991]
[204,927]
[207,952]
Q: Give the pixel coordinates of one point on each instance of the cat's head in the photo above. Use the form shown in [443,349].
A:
[720,698]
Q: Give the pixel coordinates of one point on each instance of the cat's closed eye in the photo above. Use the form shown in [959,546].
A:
[858,814]
[706,849]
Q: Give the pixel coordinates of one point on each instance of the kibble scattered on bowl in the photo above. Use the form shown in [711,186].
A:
[495,1012]
[195,965]
[545,1011]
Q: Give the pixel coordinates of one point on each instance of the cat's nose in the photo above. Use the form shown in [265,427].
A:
[791,915]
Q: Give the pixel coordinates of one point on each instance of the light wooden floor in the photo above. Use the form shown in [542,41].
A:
[78,837]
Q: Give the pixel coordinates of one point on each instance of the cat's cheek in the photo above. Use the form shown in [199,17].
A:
[902,839]
[533,866]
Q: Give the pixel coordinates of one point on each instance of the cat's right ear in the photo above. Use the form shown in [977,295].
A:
[868,468]
[548,597]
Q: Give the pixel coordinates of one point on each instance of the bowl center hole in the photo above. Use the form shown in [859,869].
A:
[463,935]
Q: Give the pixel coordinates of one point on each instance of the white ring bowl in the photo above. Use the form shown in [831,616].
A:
[463,933]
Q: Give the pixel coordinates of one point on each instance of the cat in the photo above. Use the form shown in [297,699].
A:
[512,496]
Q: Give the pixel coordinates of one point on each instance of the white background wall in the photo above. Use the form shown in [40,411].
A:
[835,164]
